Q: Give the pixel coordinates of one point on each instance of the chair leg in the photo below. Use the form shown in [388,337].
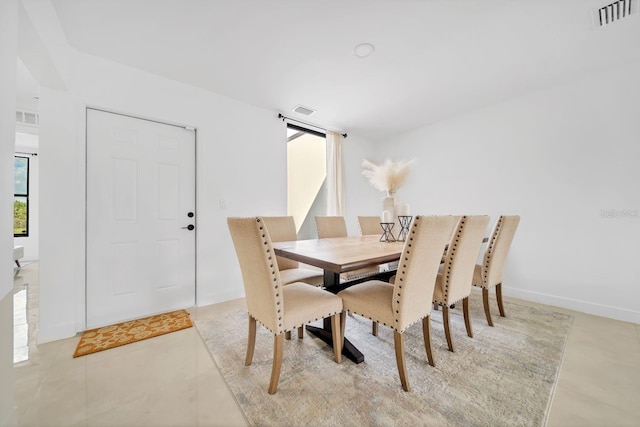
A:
[301,332]
[467,318]
[278,344]
[251,342]
[398,339]
[435,306]
[374,328]
[426,333]
[343,323]
[485,301]
[447,329]
[499,297]
[287,335]
[336,332]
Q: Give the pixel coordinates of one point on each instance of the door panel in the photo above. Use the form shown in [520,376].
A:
[140,187]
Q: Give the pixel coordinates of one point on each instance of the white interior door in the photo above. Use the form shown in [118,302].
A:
[140,203]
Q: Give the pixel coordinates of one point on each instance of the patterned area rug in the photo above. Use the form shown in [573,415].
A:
[504,376]
[124,333]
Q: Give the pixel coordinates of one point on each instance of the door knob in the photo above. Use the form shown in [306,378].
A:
[189,227]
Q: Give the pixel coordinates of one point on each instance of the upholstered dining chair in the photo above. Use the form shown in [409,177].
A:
[489,274]
[283,229]
[331,226]
[369,225]
[278,308]
[336,226]
[408,300]
[456,273]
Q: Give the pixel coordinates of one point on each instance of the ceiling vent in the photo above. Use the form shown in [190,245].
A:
[305,111]
[27,118]
[614,12]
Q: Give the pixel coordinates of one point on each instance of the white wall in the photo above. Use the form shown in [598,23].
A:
[559,158]
[8,55]
[361,198]
[241,165]
[28,143]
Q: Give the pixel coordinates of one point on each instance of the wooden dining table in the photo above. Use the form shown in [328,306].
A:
[339,255]
[335,256]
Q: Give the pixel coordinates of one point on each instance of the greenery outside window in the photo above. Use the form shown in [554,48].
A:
[21,197]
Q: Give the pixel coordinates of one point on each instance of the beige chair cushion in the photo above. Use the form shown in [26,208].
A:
[304,304]
[306,275]
[456,273]
[409,299]
[371,299]
[279,308]
[477,276]
[259,269]
[282,229]
[497,250]
[331,226]
[369,225]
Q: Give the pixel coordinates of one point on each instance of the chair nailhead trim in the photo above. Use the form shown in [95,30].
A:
[490,249]
[450,261]
[403,271]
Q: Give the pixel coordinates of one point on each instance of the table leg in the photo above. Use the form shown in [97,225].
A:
[331,280]
[348,349]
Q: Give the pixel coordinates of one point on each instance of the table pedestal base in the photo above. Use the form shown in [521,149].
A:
[332,284]
[348,349]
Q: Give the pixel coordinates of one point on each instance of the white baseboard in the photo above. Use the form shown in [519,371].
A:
[48,333]
[588,307]
[217,298]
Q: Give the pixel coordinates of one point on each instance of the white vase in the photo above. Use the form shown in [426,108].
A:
[388,205]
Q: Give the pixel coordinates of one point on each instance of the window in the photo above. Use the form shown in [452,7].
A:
[21,197]
[306,173]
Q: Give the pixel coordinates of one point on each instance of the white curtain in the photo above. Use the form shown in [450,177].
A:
[335,175]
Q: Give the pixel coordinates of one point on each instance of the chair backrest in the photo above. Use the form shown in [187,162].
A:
[282,229]
[418,268]
[331,226]
[369,225]
[461,257]
[498,249]
[259,268]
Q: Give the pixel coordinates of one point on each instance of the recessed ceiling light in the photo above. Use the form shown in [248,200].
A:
[363,50]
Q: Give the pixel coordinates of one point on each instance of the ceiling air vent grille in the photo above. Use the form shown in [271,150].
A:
[304,110]
[27,118]
[614,12]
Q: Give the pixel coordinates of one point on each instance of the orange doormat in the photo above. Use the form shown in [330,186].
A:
[112,336]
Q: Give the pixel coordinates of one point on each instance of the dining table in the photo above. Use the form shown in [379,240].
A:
[339,255]
[335,256]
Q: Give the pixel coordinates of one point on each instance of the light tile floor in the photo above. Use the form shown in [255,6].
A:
[171,380]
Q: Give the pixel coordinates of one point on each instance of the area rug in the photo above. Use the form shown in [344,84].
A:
[124,333]
[504,376]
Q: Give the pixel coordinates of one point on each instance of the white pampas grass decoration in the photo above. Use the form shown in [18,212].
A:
[388,176]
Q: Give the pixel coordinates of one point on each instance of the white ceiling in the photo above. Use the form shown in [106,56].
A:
[27,88]
[433,59]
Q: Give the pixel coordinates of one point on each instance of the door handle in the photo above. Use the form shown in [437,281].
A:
[189,227]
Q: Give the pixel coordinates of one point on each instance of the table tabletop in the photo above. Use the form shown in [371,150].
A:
[340,254]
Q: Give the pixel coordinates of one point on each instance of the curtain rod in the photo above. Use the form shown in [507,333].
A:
[283,117]
[27,154]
